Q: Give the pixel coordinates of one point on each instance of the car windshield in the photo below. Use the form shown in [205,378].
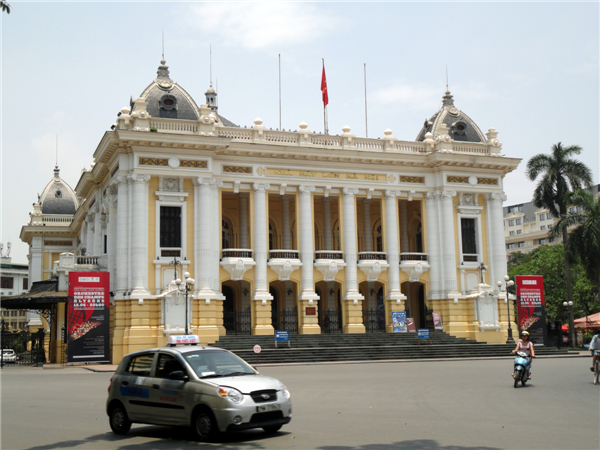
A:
[217,363]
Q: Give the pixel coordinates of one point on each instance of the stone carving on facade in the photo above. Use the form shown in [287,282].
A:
[237,266]
[284,267]
[373,268]
[329,267]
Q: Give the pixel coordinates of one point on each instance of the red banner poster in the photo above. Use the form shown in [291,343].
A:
[531,307]
[88,313]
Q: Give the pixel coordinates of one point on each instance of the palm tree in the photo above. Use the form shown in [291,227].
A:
[559,175]
[5,6]
[584,240]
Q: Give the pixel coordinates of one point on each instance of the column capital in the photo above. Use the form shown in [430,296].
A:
[389,193]
[447,193]
[261,187]
[119,180]
[306,189]
[349,192]
[496,197]
[139,177]
[211,182]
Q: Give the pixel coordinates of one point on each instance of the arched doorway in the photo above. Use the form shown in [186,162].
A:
[283,317]
[235,319]
[416,306]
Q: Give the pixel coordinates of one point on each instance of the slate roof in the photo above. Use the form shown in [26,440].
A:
[58,197]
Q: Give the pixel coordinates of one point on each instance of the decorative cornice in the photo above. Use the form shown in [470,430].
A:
[237,169]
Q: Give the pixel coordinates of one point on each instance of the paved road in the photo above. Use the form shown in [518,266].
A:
[433,405]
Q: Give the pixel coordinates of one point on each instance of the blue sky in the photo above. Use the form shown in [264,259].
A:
[527,69]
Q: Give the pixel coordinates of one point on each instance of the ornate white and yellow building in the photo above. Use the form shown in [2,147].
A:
[281,230]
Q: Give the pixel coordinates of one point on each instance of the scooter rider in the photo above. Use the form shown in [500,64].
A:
[525,345]
[595,348]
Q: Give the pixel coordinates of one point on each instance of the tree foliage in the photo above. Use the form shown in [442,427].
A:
[549,262]
[5,6]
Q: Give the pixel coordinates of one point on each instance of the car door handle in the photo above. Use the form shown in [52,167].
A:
[125,383]
[155,386]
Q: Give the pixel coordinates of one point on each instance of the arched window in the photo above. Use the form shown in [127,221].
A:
[336,236]
[377,237]
[419,238]
[272,236]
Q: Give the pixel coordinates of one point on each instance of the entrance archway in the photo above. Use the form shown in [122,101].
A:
[416,307]
[235,319]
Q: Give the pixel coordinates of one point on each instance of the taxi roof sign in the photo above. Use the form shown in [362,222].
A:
[188,339]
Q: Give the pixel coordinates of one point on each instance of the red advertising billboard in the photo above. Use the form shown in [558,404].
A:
[88,314]
[531,307]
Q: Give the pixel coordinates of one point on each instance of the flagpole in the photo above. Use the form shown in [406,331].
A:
[280,91]
[325,128]
[366,125]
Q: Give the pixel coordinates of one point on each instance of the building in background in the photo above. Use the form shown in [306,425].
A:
[526,227]
[301,231]
[14,280]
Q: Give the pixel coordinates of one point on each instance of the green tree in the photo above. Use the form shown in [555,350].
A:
[584,239]
[559,175]
[548,261]
[5,6]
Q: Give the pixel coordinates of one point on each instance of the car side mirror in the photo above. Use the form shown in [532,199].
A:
[178,375]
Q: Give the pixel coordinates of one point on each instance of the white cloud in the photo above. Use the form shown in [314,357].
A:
[262,25]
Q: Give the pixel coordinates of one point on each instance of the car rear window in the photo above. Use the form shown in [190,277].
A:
[140,365]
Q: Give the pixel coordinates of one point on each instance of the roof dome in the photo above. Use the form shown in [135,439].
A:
[461,127]
[58,197]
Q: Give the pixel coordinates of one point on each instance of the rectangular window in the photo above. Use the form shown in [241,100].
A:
[105,244]
[518,222]
[511,233]
[542,241]
[549,216]
[521,208]
[543,227]
[542,216]
[140,365]
[519,231]
[510,246]
[551,240]
[511,223]
[170,226]
[25,283]
[7,282]
[469,245]
[511,209]
[521,244]
[550,226]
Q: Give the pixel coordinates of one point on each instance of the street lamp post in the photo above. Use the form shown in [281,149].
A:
[188,286]
[569,305]
[509,283]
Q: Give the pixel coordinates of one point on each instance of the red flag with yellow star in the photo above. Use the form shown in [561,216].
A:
[324,87]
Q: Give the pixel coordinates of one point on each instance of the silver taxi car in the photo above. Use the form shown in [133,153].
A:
[209,389]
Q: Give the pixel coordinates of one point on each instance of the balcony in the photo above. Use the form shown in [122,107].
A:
[70,262]
[329,263]
[284,262]
[372,263]
[237,261]
[414,264]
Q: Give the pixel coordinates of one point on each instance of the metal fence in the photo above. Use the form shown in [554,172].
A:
[330,321]
[374,321]
[28,348]
[237,322]
[286,320]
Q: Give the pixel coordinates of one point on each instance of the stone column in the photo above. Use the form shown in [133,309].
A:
[448,242]
[89,233]
[352,309]
[367,225]
[393,255]
[496,240]
[285,212]
[307,324]
[243,220]
[203,234]
[327,223]
[433,246]
[139,241]
[122,259]
[112,235]
[97,249]
[261,301]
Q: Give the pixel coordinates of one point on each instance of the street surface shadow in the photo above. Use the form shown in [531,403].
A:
[172,438]
[418,444]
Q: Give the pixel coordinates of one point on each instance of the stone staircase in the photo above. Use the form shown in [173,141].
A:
[365,347]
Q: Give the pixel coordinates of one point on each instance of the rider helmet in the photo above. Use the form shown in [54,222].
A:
[524,333]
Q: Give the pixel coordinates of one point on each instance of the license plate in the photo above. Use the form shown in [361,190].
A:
[265,408]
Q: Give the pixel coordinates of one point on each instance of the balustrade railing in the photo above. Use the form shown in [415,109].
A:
[329,254]
[170,252]
[237,253]
[413,256]
[174,126]
[470,258]
[372,256]
[57,220]
[284,254]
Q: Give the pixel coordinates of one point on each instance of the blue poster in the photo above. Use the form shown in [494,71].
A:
[399,321]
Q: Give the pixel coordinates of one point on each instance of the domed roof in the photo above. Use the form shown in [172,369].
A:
[58,197]
[167,99]
[460,126]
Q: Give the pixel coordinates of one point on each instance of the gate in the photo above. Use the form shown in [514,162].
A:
[28,347]
[237,322]
[329,321]
[286,320]
[374,321]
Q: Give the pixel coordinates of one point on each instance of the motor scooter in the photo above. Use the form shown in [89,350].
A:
[597,371]
[522,366]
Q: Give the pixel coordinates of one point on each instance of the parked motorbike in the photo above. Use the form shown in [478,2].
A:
[597,371]
[522,366]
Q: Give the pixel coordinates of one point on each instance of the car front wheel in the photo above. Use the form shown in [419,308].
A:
[204,426]
[119,422]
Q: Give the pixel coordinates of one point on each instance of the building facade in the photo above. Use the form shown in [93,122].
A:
[14,281]
[527,227]
[288,230]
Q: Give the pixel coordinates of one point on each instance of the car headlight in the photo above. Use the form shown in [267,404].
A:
[231,394]
[284,390]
